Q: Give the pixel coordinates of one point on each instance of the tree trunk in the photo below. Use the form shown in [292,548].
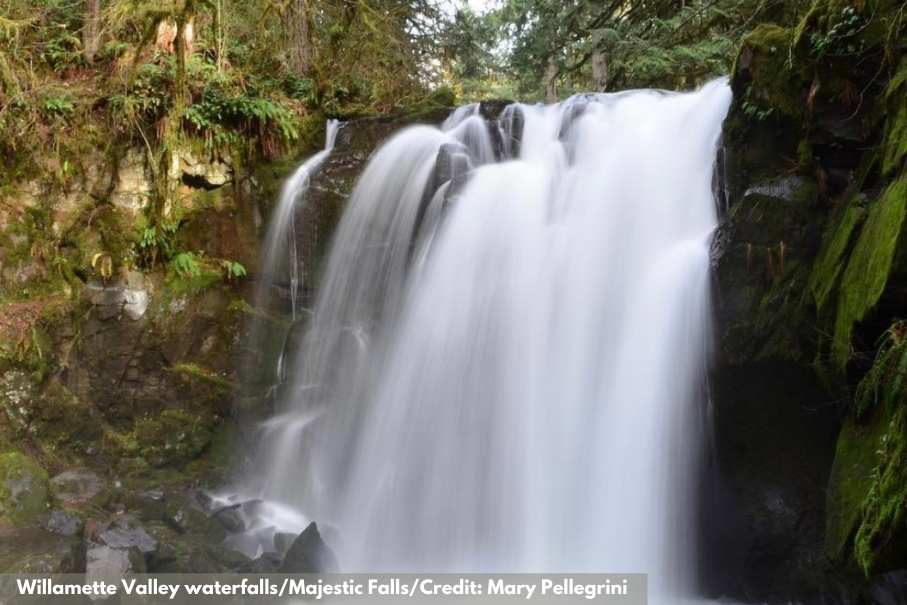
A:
[599,71]
[220,36]
[299,42]
[551,81]
[91,30]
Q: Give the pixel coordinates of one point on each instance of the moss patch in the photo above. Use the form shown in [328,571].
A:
[173,437]
[879,543]
[833,255]
[867,271]
[23,490]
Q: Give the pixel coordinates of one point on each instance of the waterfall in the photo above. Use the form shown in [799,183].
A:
[505,366]
[279,258]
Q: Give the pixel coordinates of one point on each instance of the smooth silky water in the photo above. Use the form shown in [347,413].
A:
[505,367]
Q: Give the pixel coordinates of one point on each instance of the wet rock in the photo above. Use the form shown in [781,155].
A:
[104,563]
[889,588]
[309,554]
[763,513]
[64,523]
[230,518]
[149,505]
[268,562]
[217,559]
[125,533]
[76,486]
[23,490]
[283,541]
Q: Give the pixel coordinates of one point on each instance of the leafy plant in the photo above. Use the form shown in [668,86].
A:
[186,264]
[839,39]
[232,270]
[885,382]
[63,50]
[61,106]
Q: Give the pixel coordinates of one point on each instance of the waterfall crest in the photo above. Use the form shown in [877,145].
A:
[504,370]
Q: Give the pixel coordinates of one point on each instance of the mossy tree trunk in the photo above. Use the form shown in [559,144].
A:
[299,37]
[599,71]
[91,30]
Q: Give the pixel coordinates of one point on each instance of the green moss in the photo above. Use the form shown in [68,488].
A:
[850,481]
[867,271]
[885,384]
[895,141]
[879,543]
[23,490]
[775,83]
[833,255]
[172,438]
[195,371]
[187,285]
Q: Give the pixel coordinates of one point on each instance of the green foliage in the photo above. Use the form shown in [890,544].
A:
[884,511]
[232,270]
[62,51]
[58,106]
[221,118]
[895,141]
[840,38]
[156,241]
[662,44]
[885,385]
[186,264]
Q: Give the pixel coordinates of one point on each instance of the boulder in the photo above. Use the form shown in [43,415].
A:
[114,300]
[309,554]
[230,518]
[126,533]
[63,523]
[104,563]
[23,490]
[76,486]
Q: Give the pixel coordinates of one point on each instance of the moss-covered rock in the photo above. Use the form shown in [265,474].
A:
[856,458]
[23,490]
[881,540]
[870,264]
[173,437]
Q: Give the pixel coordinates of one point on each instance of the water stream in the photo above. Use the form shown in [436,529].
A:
[505,366]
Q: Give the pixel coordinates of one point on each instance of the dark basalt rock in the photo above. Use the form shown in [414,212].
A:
[309,554]
[64,523]
[124,533]
[764,504]
[230,518]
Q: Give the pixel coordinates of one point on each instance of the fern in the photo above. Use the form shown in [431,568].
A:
[884,384]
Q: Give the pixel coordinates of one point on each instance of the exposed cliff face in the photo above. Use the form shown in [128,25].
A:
[810,285]
[122,369]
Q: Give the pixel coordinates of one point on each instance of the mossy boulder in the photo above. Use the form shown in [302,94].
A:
[867,494]
[37,551]
[23,490]
[173,437]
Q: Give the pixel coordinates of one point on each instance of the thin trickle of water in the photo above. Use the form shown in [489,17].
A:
[525,391]
[279,258]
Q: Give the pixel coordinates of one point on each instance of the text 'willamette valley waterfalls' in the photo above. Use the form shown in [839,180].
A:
[505,366]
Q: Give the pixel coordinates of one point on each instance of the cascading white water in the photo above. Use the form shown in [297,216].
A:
[504,369]
[279,251]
